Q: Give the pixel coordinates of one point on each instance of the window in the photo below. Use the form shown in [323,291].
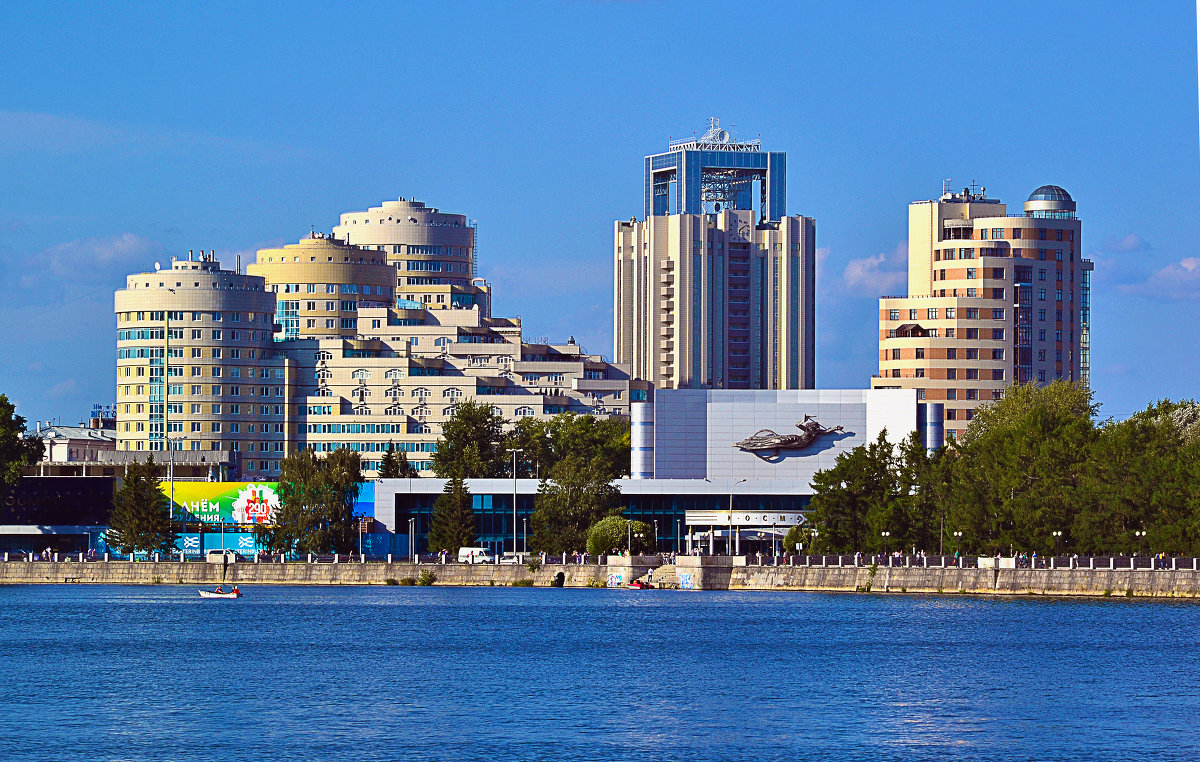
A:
[893,314]
[971,394]
[1041,355]
[452,393]
[1042,294]
[912,314]
[421,392]
[951,354]
[949,313]
[998,313]
[997,354]
[1016,233]
[931,313]
[920,353]
[361,375]
[948,254]
[972,313]
[951,373]
[997,374]
[524,412]
[1041,334]
[1041,234]
[998,334]
[972,374]
[997,293]
[966,253]
[449,411]
[971,293]
[983,233]
[951,394]
[972,273]
[998,233]
[1058,254]
[920,373]
[1041,253]
[972,334]
[895,354]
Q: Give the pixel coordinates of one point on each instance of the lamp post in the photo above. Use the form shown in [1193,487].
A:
[1141,535]
[678,547]
[730,542]
[524,535]
[885,536]
[655,535]
[514,452]
[1057,535]
[412,541]
[171,477]
[957,541]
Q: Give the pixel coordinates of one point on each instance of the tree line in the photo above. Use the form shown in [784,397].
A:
[1034,471]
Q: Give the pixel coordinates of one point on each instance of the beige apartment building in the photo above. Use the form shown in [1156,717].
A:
[202,364]
[321,282]
[197,370]
[993,299]
[427,246]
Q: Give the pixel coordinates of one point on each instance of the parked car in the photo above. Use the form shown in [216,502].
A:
[514,559]
[475,556]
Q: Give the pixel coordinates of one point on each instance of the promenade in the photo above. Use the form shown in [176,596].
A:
[1100,577]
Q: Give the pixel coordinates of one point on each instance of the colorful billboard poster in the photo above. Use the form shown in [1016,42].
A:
[225,502]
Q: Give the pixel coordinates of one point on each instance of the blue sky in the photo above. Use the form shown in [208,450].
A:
[130,134]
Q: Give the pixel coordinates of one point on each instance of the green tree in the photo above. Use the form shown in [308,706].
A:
[614,532]
[316,504]
[141,517]
[577,495]
[1018,470]
[17,452]
[395,465]
[604,441]
[854,499]
[453,522]
[472,444]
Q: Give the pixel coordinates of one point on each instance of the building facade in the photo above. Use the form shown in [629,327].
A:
[197,367]
[312,350]
[692,482]
[709,291]
[993,299]
[320,283]
[428,247]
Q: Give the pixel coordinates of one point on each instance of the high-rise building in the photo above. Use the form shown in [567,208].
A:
[427,246]
[196,368]
[712,291]
[993,299]
[319,284]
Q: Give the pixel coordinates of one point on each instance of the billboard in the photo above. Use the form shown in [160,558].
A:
[225,502]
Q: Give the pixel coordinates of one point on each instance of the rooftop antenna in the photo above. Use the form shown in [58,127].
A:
[946,186]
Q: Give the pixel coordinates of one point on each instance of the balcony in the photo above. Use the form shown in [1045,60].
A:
[667,292]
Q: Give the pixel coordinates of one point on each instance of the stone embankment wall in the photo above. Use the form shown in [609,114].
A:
[693,575]
[205,574]
[1084,582]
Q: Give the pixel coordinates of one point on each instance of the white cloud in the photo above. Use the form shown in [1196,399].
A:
[93,261]
[1128,244]
[1179,281]
[881,275]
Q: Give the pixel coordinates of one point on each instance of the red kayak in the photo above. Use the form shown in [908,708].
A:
[638,584]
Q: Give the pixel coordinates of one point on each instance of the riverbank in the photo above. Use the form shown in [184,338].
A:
[691,573]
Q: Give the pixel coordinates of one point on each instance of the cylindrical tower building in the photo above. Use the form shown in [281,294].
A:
[195,369]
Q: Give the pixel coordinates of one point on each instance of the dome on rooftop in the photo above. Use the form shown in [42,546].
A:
[1050,193]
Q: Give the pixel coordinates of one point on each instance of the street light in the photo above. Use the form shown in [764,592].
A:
[412,541]
[514,452]
[885,535]
[171,478]
[524,535]
[678,547]
[1057,535]
[1141,535]
[730,542]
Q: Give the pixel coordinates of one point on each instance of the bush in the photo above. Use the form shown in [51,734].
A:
[391,581]
[527,582]
[614,531]
[407,582]
[427,578]
[533,564]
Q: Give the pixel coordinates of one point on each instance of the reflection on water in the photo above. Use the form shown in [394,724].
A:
[154,672]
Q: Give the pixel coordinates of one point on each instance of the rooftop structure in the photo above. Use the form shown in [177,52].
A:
[715,172]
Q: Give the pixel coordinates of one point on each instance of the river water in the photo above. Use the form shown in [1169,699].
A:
[110,672]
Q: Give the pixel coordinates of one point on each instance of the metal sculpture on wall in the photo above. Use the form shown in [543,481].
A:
[767,444]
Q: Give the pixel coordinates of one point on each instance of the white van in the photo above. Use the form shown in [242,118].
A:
[475,556]
[222,557]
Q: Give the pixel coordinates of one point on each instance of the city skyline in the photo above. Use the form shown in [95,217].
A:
[117,157]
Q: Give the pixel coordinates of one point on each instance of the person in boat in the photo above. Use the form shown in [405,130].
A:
[235,590]
[219,589]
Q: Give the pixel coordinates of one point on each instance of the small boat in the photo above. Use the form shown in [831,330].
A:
[639,584]
[212,594]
